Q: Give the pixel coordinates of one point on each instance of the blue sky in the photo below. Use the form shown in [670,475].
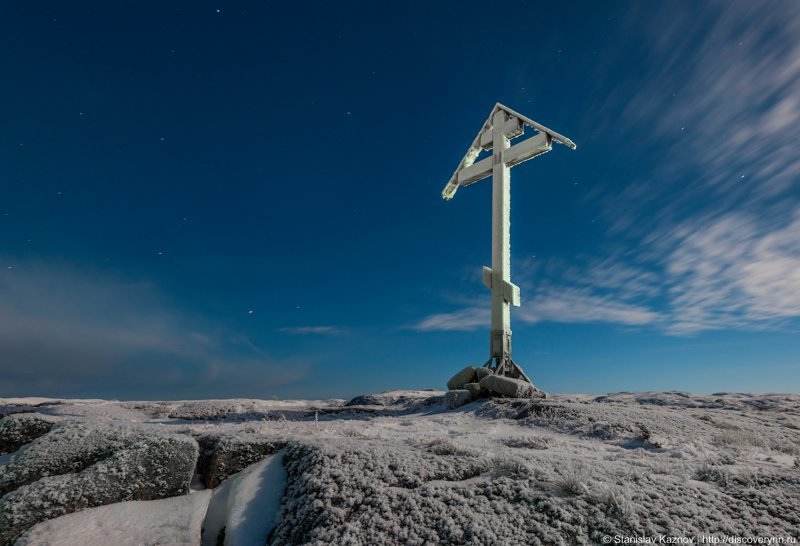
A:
[219,199]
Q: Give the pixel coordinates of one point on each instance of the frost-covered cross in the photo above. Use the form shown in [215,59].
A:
[502,125]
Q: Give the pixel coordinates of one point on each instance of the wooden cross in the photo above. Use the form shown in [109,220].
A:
[502,125]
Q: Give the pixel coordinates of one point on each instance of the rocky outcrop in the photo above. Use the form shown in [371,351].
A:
[80,465]
[222,456]
[457,398]
[18,429]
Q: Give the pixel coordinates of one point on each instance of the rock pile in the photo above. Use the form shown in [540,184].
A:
[475,382]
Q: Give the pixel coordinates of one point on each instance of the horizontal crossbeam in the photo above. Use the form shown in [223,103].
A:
[519,153]
[510,290]
[512,129]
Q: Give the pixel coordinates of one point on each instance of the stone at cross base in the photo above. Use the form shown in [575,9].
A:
[474,382]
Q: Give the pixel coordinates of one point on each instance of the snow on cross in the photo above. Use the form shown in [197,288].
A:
[502,125]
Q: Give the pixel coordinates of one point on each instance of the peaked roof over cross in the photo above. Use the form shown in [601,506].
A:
[476,146]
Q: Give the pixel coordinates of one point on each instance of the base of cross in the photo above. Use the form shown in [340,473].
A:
[502,378]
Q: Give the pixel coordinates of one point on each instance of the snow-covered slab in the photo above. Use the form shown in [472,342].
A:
[176,521]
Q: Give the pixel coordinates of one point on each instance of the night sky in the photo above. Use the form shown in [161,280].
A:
[242,199]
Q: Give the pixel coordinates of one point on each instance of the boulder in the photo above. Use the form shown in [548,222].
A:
[467,375]
[18,429]
[71,446]
[483,372]
[81,465]
[475,390]
[507,386]
[457,398]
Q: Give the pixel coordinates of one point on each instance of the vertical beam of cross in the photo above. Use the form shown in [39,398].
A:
[500,336]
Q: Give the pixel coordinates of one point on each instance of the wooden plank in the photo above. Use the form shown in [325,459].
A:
[512,129]
[561,139]
[469,158]
[528,149]
[511,293]
[487,276]
[478,171]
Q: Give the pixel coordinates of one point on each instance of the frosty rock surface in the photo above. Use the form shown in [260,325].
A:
[399,401]
[467,375]
[223,455]
[483,372]
[457,398]
[570,469]
[18,429]
[475,390]
[80,465]
[507,386]
[70,446]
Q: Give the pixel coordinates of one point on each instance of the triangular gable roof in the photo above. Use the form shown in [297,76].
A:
[475,148]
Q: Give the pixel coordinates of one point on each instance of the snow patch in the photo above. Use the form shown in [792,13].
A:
[247,504]
[175,521]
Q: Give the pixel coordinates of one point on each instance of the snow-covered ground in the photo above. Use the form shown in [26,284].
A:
[399,468]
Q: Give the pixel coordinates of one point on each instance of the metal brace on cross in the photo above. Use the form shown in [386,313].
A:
[502,125]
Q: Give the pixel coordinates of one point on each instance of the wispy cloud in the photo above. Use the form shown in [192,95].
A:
[572,305]
[71,331]
[719,105]
[735,273]
[549,304]
[304,330]
[469,318]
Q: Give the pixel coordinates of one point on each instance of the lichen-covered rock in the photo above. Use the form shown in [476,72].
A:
[457,398]
[475,390]
[18,429]
[467,375]
[83,465]
[221,456]
[507,386]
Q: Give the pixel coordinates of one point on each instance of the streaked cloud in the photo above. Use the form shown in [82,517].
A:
[469,318]
[551,304]
[571,305]
[735,273]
